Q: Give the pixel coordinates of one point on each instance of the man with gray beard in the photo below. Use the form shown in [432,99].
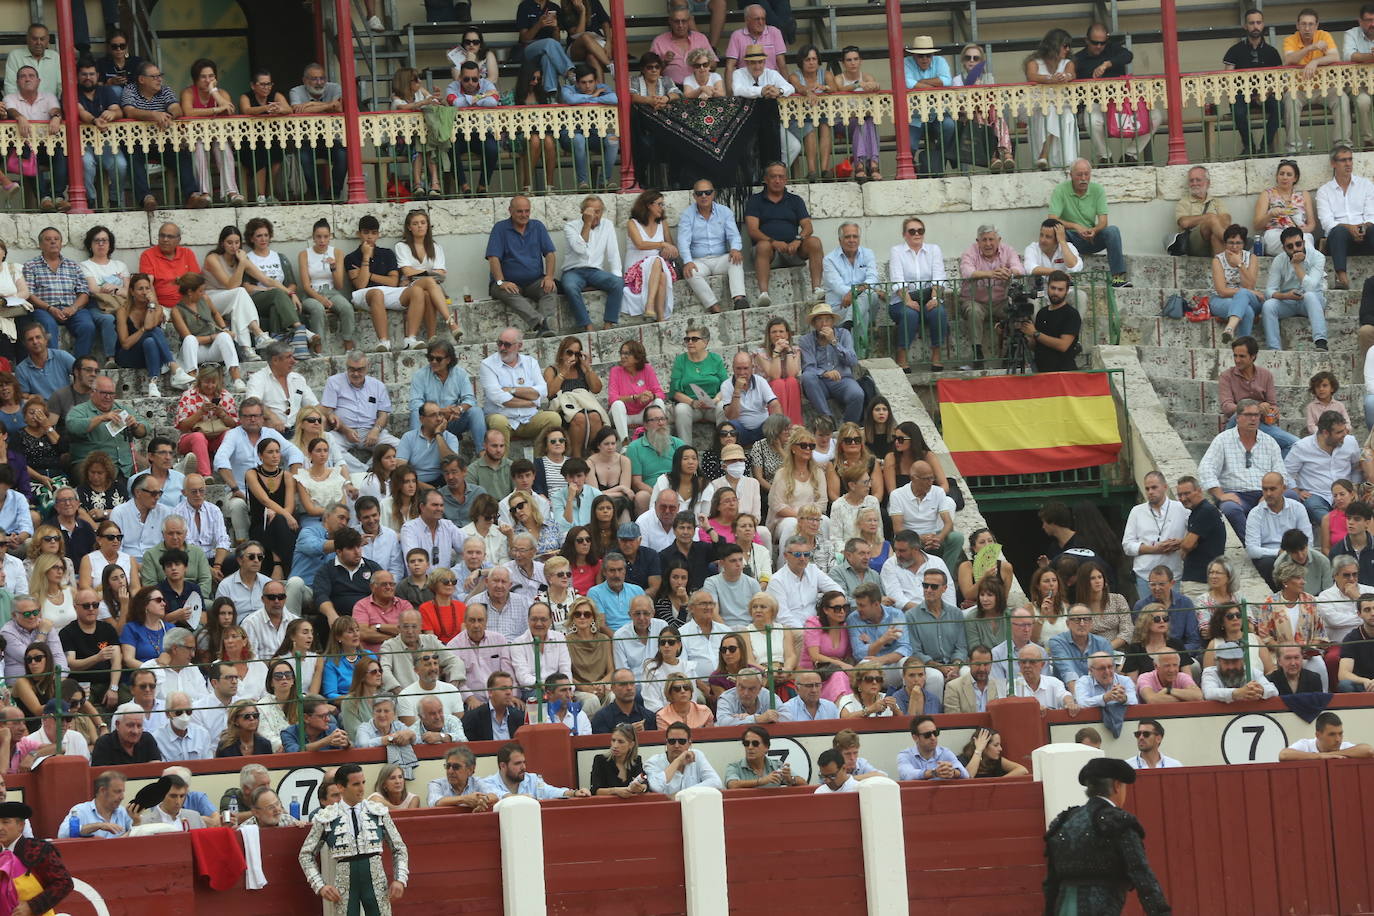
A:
[1226,680]
[651,455]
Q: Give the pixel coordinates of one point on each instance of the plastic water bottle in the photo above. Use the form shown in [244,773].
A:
[295,809]
[1259,246]
[73,826]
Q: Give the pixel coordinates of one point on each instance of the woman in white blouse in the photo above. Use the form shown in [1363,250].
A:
[917,270]
[703,82]
[106,278]
[423,269]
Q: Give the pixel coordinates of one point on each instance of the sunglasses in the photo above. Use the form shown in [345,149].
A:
[88,605]
[35,658]
[972,58]
[932,586]
[112,537]
[680,688]
[577,615]
[727,434]
[1144,734]
[516,507]
[897,439]
[51,538]
[467,42]
[1160,618]
[914,231]
[312,419]
[447,581]
[250,556]
[453,766]
[693,338]
[702,193]
[871,679]
[729,648]
[29,614]
[248,715]
[669,642]
[930,734]
[752,742]
[800,554]
[809,446]
[283,676]
[852,440]
[115,47]
[279,596]
[677,742]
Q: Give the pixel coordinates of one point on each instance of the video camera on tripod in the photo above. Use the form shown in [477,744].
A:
[1017,349]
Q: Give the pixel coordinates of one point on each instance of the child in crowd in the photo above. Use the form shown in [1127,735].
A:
[846,741]
[1323,388]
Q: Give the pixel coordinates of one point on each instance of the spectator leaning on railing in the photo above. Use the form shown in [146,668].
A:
[30,102]
[149,100]
[316,96]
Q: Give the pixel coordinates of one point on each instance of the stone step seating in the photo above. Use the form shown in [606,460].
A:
[483,321]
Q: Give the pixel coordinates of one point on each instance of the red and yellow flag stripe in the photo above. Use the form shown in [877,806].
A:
[1029,424]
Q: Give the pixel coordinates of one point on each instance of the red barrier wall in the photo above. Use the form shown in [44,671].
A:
[975,846]
[1243,840]
[1352,800]
[614,857]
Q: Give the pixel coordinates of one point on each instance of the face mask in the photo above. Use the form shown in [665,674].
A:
[735,469]
[183,720]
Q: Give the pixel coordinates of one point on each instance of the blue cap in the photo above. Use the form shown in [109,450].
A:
[628,530]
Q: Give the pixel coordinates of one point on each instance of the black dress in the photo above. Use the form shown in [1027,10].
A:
[260,746]
[1138,661]
[1096,854]
[606,776]
[275,535]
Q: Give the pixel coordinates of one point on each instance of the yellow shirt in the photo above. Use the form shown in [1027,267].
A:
[1294,42]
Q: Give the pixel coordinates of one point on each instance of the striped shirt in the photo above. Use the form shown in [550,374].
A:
[56,287]
[132,98]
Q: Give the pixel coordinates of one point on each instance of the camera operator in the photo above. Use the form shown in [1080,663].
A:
[1054,332]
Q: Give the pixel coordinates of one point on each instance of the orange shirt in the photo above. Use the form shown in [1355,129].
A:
[1294,42]
[444,622]
[165,271]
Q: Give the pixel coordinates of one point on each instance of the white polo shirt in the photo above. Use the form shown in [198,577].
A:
[920,514]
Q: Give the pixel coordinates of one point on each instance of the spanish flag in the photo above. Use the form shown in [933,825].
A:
[1029,424]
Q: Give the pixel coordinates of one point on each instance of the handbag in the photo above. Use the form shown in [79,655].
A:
[108,303]
[571,403]
[1201,309]
[1174,307]
[1128,121]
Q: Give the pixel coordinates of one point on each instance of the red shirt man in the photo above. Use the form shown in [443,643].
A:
[166,262]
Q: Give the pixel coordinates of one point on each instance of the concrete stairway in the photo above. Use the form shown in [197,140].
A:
[1183,359]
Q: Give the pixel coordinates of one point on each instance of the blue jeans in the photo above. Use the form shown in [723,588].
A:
[1109,240]
[1313,305]
[338,168]
[185,172]
[115,167]
[1236,514]
[820,390]
[913,323]
[610,156]
[151,353]
[484,151]
[1240,113]
[1244,304]
[948,140]
[473,422]
[1283,437]
[576,279]
[552,59]
[83,327]
[1318,507]
[52,174]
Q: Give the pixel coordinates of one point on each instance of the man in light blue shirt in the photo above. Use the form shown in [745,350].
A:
[103,816]
[1070,650]
[828,360]
[572,505]
[1103,686]
[710,245]
[140,519]
[14,516]
[359,406]
[587,91]
[844,270]
[1296,286]
[747,703]
[927,759]
[680,767]
[441,382]
[45,369]
[878,632]
[424,447]
[238,453]
[924,70]
[808,705]
[470,90]
[512,778]
[314,546]
[1268,522]
[612,597]
[637,641]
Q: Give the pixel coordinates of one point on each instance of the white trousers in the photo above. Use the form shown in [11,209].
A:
[221,349]
[714,267]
